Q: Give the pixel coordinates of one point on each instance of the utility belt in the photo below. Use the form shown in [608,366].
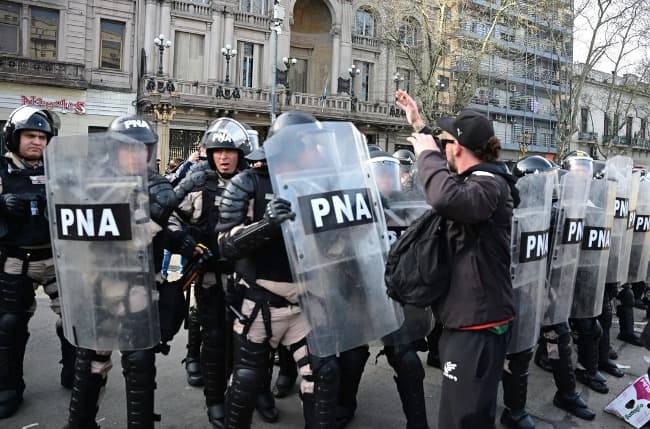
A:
[25,255]
[264,300]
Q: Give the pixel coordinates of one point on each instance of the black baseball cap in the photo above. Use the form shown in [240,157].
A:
[470,128]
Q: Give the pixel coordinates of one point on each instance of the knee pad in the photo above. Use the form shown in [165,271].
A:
[250,354]
[139,368]
[553,333]
[409,366]
[324,370]
[16,293]
[13,327]
[626,296]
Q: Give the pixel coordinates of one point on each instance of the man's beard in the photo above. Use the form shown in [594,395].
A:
[451,163]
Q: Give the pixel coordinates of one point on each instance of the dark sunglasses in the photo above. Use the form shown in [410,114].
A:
[444,142]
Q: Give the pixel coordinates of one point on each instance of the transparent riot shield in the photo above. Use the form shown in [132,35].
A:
[403,205]
[640,252]
[619,169]
[595,248]
[529,249]
[569,214]
[338,242]
[101,236]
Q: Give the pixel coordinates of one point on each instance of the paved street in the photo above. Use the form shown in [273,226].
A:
[182,406]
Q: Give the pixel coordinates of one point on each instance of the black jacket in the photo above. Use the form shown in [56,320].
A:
[478,205]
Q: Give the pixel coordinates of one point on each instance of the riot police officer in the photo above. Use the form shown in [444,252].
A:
[25,251]
[532,216]
[270,313]
[227,143]
[138,366]
[406,160]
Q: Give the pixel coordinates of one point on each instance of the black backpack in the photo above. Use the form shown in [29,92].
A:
[418,265]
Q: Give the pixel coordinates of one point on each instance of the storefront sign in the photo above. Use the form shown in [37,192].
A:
[63,105]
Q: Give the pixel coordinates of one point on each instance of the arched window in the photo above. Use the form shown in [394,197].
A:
[408,34]
[364,22]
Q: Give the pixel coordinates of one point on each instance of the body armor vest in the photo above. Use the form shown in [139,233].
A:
[32,229]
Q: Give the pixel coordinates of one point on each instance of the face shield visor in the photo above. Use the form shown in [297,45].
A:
[579,166]
[386,171]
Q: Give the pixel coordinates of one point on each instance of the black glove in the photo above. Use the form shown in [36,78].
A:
[186,246]
[277,211]
[12,205]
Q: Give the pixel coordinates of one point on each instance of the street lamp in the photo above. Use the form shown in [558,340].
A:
[397,78]
[228,53]
[353,71]
[162,45]
[288,62]
[440,86]
[164,111]
[276,28]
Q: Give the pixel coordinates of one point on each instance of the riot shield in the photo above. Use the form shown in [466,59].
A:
[619,169]
[529,249]
[640,252]
[402,207]
[338,242]
[101,235]
[595,248]
[569,213]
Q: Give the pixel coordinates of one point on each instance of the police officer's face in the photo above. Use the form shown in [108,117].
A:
[226,160]
[132,158]
[32,144]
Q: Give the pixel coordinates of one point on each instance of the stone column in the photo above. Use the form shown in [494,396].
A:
[149,35]
[166,30]
[336,60]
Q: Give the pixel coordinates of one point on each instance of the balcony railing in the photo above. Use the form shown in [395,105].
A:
[252,20]
[588,136]
[27,70]
[195,9]
[258,100]
[366,41]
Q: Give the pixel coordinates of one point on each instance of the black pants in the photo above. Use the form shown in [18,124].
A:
[472,363]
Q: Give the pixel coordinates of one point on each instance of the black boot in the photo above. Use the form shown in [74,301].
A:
[515,391]
[625,313]
[573,403]
[68,353]
[216,415]
[594,381]
[213,368]
[351,366]
[86,390]
[192,360]
[139,370]
[287,374]
[12,384]
[265,403]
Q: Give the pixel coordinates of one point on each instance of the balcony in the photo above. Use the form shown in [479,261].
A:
[203,95]
[617,140]
[249,20]
[588,137]
[366,42]
[193,9]
[31,71]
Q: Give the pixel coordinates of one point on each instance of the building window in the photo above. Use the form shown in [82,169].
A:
[299,76]
[247,65]
[642,130]
[408,33]
[256,7]
[364,80]
[584,120]
[188,56]
[628,126]
[9,27]
[364,23]
[406,75]
[111,44]
[607,125]
[43,32]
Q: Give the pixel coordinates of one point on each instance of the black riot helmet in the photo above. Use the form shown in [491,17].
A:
[29,118]
[405,157]
[579,161]
[386,172]
[532,165]
[287,119]
[139,129]
[226,133]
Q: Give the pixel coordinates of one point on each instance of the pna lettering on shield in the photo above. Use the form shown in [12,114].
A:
[93,222]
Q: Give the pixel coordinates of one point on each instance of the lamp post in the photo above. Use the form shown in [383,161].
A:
[276,28]
[353,71]
[228,53]
[164,111]
[288,62]
[162,45]
[440,86]
[397,78]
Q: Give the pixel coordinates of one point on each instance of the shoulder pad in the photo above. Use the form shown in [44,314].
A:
[194,181]
[234,200]
[162,199]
